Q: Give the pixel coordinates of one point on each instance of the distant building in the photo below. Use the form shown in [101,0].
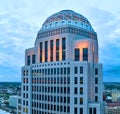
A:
[112,108]
[62,74]
[115,94]
[13,101]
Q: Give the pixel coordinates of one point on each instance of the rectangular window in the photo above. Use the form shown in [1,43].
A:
[85,54]
[75,110]
[96,80]
[96,71]
[81,80]
[68,70]
[19,101]
[54,71]
[65,70]
[68,99]
[57,108]
[45,71]
[81,70]
[75,90]
[40,52]
[51,71]
[77,54]
[68,90]
[64,108]
[75,80]
[81,100]
[96,89]
[64,99]
[33,59]
[68,109]
[75,100]
[90,110]
[46,51]
[57,70]
[57,50]
[65,90]
[75,70]
[48,71]
[81,110]
[60,108]
[81,90]
[51,50]
[68,80]
[63,48]
[28,60]
[94,111]
[61,70]
[96,98]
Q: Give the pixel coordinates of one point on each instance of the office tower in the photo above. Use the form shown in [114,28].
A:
[61,73]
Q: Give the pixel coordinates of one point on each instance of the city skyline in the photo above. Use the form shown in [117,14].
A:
[20,21]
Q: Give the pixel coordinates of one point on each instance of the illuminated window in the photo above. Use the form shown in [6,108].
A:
[77,54]
[81,90]
[81,100]
[85,54]
[25,110]
[81,80]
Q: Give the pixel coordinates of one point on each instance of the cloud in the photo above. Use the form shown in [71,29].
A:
[16,36]
[17,31]
[106,24]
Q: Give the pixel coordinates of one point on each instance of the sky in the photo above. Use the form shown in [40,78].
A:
[20,21]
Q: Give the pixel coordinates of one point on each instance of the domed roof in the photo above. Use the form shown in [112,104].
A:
[68,17]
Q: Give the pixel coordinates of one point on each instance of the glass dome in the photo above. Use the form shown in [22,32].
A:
[67,17]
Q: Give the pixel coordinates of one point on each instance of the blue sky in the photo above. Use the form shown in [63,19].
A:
[21,20]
